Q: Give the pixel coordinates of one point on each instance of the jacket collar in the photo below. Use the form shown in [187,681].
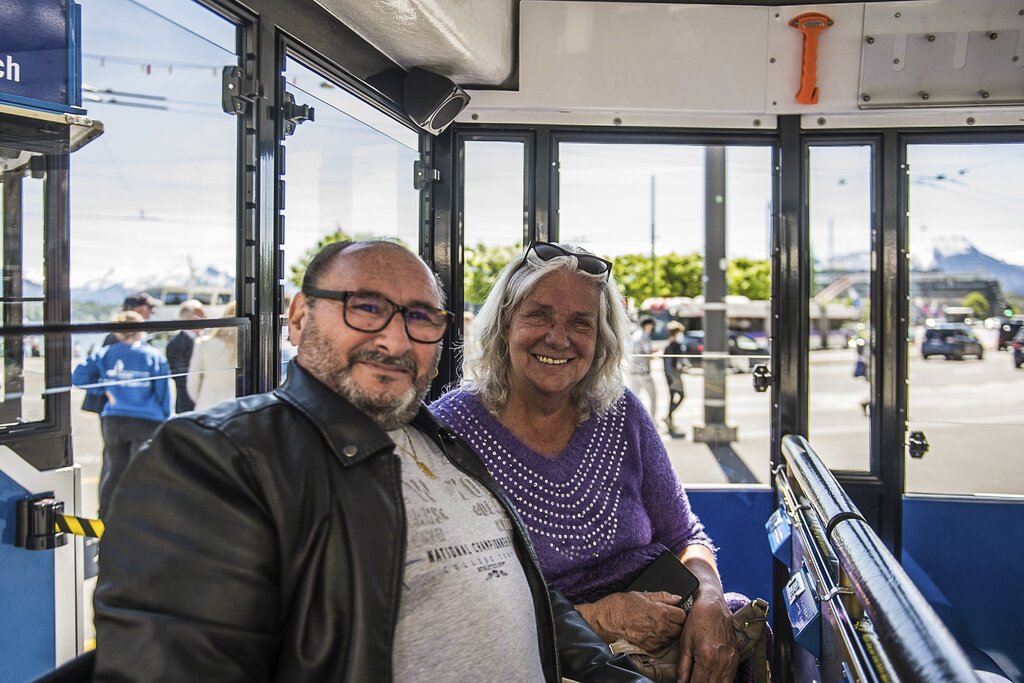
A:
[351,434]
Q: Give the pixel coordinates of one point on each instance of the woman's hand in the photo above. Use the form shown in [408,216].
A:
[707,648]
[648,620]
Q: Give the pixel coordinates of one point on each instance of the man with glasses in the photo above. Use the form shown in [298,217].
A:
[332,529]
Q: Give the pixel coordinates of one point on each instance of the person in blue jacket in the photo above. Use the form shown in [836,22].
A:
[135,379]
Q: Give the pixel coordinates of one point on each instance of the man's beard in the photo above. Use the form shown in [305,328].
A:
[388,411]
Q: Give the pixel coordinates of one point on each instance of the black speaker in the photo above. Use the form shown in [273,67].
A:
[432,101]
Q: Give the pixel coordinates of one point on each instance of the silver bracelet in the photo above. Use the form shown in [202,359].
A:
[687,604]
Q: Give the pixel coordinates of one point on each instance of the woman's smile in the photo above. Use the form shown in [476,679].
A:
[548,360]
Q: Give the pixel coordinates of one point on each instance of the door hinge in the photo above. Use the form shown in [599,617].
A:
[761,377]
[422,174]
[293,114]
[238,91]
[917,444]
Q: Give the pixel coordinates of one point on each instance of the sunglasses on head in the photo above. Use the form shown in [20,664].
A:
[588,263]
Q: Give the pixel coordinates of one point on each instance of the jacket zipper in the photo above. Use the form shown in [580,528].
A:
[524,536]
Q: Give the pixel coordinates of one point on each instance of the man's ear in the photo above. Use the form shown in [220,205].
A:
[297,311]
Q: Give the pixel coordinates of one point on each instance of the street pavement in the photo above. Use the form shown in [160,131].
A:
[972,413]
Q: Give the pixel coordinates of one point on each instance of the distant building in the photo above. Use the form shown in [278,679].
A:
[930,291]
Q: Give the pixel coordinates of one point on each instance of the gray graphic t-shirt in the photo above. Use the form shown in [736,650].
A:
[466,611]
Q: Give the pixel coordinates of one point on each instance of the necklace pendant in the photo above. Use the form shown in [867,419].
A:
[426,470]
[412,453]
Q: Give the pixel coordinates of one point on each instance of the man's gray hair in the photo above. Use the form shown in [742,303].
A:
[486,365]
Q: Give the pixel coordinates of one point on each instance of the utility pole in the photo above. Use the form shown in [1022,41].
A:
[715,430]
[654,260]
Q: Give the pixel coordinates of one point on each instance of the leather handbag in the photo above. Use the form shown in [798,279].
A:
[750,624]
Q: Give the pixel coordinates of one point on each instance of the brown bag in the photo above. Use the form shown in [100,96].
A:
[749,624]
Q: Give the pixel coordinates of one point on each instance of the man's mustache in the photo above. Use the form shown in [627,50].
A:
[373,356]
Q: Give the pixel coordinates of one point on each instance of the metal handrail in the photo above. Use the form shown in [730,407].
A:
[920,647]
[828,499]
[917,643]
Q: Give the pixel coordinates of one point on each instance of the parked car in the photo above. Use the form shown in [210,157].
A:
[740,344]
[1007,331]
[951,340]
[1018,348]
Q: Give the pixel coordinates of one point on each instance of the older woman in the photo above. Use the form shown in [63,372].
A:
[543,405]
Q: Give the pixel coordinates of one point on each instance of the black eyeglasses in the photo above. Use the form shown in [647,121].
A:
[588,263]
[372,312]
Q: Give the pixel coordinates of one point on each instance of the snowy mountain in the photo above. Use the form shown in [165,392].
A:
[956,255]
[107,290]
[952,254]
[926,253]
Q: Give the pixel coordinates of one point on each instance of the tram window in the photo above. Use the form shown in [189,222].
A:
[966,282]
[21,293]
[22,383]
[642,205]
[153,199]
[493,215]
[348,176]
[838,405]
[22,242]
[176,298]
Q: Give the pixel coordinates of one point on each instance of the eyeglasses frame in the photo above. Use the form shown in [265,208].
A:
[344,295]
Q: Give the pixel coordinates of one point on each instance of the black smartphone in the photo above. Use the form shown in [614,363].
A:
[668,574]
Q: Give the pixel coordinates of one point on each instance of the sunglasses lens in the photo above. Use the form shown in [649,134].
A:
[592,265]
[587,263]
[547,251]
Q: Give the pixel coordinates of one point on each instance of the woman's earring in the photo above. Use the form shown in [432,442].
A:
[436,372]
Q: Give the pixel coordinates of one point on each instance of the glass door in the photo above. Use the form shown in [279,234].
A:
[966,350]
[840,356]
[965,463]
[704,267]
[349,175]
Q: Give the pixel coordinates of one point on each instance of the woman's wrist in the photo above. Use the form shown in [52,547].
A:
[592,614]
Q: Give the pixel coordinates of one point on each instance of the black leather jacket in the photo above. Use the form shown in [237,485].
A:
[265,540]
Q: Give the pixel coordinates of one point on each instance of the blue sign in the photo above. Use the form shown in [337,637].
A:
[780,534]
[40,54]
[804,615]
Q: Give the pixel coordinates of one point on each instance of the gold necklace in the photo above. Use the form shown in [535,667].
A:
[412,452]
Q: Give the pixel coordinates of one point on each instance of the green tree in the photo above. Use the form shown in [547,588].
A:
[978,303]
[677,275]
[482,265]
[633,273]
[680,274]
[751,278]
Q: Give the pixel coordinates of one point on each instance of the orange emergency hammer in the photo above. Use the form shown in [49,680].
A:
[810,24]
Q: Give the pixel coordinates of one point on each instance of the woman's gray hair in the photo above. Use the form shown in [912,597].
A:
[486,366]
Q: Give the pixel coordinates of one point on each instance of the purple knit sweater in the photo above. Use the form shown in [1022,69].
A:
[598,513]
